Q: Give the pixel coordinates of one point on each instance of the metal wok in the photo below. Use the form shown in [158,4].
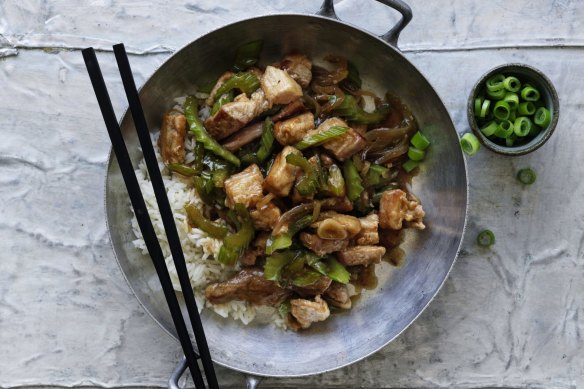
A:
[403,293]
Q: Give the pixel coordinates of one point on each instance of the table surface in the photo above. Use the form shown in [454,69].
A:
[509,316]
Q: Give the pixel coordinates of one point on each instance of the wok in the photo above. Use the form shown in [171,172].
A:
[403,293]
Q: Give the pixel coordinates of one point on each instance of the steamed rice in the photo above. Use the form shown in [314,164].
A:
[200,250]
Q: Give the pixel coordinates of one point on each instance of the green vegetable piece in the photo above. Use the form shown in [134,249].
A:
[485,109]
[410,165]
[213,229]
[332,268]
[502,110]
[279,242]
[307,278]
[486,238]
[522,126]
[353,75]
[266,141]
[219,176]
[469,144]
[376,175]
[181,169]
[526,108]
[353,180]
[512,84]
[321,137]
[529,93]
[284,309]
[495,82]
[512,99]
[505,129]
[247,55]
[191,109]
[526,176]
[420,141]
[275,263]
[199,152]
[416,154]
[478,103]
[497,94]
[246,82]
[335,181]
[542,117]
[350,110]
[234,244]
[222,100]
[308,183]
[490,128]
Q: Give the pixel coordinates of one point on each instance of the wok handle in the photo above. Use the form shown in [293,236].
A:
[251,382]
[328,9]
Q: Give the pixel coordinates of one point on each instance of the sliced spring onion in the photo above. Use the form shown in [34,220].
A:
[512,99]
[529,93]
[490,128]
[478,103]
[512,84]
[416,154]
[509,141]
[321,137]
[420,141]
[505,129]
[513,115]
[501,110]
[470,144]
[275,263]
[497,94]
[181,169]
[353,180]
[542,117]
[486,238]
[526,108]
[522,126]
[485,108]
[526,176]
[410,165]
[495,82]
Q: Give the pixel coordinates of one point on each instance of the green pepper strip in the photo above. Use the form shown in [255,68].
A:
[331,268]
[352,180]
[191,108]
[308,183]
[213,229]
[234,244]
[183,170]
[321,137]
[542,117]
[350,110]
[275,263]
[247,55]
[246,82]
[266,141]
[222,100]
[522,126]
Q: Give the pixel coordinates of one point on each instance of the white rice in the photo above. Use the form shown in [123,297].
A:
[200,250]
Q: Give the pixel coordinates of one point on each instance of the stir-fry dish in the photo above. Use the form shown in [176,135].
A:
[296,173]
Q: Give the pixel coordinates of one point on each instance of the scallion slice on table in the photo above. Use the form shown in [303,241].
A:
[486,238]
[542,117]
[526,176]
[469,144]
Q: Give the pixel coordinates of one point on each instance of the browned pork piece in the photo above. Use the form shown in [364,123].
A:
[247,285]
[307,312]
[334,225]
[265,217]
[257,249]
[320,246]
[361,255]
[279,87]
[338,295]
[292,108]
[292,130]
[299,67]
[315,289]
[172,137]
[343,146]
[369,234]
[281,176]
[224,77]
[235,115]
[245,187]
[341,204]
[243,137]
[396,207]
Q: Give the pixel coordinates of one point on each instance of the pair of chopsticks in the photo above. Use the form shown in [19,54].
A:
[142,216]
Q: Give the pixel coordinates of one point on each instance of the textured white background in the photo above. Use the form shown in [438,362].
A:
[509,316]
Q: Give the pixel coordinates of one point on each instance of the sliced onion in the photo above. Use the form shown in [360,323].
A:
[265,200]
[292,216]
[390,154]
[243,137]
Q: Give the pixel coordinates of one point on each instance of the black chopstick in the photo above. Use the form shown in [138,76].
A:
[165,211]
[141,211]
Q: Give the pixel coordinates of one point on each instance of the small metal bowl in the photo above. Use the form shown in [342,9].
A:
[549,96]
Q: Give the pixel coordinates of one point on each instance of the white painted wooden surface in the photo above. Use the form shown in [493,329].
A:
[510,316]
